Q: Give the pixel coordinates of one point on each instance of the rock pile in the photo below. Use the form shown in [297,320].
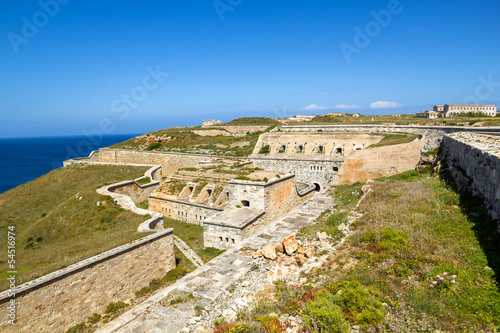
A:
[290,254]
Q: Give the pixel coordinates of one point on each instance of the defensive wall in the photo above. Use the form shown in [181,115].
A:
[474,162]
[59,300]
[252,206]
[379,162]
[426,131]
[315,144]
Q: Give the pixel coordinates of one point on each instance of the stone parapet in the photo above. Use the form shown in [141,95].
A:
[56,301]
[476,157]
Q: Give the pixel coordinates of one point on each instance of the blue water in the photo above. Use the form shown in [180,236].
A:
[24,159]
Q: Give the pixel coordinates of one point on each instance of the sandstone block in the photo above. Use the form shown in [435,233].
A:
[269,252]
[302,250]
[280,248]
[256,255]
[309,252]
[290,244]
[301,259]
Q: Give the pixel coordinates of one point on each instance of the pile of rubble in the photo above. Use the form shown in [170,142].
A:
[290,254]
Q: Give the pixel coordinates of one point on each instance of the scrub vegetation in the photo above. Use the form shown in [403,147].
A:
[423,257]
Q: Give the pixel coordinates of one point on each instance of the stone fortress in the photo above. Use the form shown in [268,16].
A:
[234,198]
[454,110]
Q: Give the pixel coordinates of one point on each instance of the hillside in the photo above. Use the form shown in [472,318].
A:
[58,222]
[430,265]
[189,140]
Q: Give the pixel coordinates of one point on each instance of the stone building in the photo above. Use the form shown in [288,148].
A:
[205,123]
[429,114]
[456,110]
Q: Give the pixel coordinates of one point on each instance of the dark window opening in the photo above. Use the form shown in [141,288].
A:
[245,203]
[335,169]
[317,187]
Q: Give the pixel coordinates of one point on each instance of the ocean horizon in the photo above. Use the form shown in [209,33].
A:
[25,159]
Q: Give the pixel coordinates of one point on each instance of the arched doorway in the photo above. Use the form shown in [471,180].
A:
[317,187]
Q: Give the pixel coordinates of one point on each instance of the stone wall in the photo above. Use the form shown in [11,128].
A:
[61,299]
[136,192]
[379,162]
[212,132]
[260,203]
[181,210]
[308,144]
[311,171]
[478,156]
[170,162]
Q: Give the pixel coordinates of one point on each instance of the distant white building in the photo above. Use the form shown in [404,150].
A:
[206,123]
[299,117]
[451,110]
[429,114]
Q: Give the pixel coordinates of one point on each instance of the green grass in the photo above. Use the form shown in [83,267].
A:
[395,139]
[54,228]
[423,257]
[192,235]
[252,121]
[145,180]
[184,140]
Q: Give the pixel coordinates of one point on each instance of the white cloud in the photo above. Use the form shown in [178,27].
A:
[384,105]
[346,107]
[314,107]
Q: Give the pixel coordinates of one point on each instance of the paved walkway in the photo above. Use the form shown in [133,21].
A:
[212,280]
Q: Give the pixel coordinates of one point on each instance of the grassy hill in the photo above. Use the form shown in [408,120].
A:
[422,258]
[252,121]
[57,220]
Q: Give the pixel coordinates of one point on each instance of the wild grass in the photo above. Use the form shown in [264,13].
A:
[57,220]
[423,258]
[192,235]
[184,140]
[395,139]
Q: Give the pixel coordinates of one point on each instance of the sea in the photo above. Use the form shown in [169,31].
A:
[24,159]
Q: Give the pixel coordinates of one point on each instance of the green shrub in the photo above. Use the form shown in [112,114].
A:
[113,307]
[94,318]
[264,150]
[153,146]
[79,328]
[324,314]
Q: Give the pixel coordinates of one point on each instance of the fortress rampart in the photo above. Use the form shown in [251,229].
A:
[474,160]
[59,300]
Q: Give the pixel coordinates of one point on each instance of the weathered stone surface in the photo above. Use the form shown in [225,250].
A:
[301,259]
[280,248]
[309,252]
[302,250]
[70,299]
[378,162]
[323,237]
[290,244]
[256,254]
[269,252]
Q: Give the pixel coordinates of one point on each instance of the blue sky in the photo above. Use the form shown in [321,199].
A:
[72,67]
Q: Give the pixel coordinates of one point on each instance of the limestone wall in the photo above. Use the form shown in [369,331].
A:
[273,199]
[379,162]
[212,132]
[59,300]
[170,162]
[308,144]
[181,210]
[479,157]
[134,191]
[319,171]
